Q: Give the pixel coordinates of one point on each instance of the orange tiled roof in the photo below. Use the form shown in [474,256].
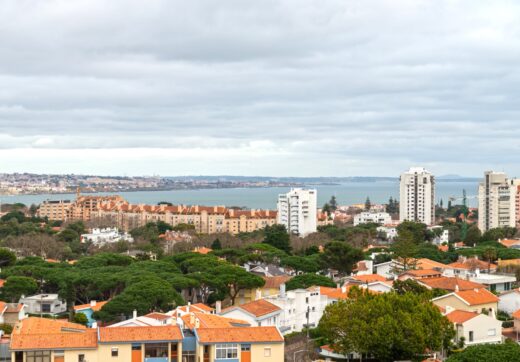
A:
[196,308]
[516,315]
[370,278]
[471,264]
[425,263]
[276,281]
[334,293]
[202,250]
[460,316]
[42,333]
[422,272]
[235,335]
[140,334]
[259,307]
[451,283]
[476,297]
[158,316]
[212,321]
[509,242]
[3,307]
[95,308]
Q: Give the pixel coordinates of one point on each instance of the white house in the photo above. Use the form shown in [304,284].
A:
[509,301]
[299,308]
[494,282]
[474,327]
[372,217]
[390,231]
[258,313]
[44,304]
[385,269]
[105,236]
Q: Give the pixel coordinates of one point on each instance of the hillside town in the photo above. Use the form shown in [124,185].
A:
[100,279]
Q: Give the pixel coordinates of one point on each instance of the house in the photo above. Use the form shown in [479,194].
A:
[42,339]
[50,304]
[494,282]
[14,313]
[475,328]
[509,301]
[385,269]
[258,313]
[89,309]
[364,267]
[467,266]
[254,344]
[296,305]
[328,353]
[369,278]
[450,284]
[474,300]
[148,320]
[510,243]
[105,236]
[265,270]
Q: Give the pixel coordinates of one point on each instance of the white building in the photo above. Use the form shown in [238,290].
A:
[297,211]
[417,196]
[509,301]
[44,304]
[257,313]
[390,231]
[474,327]
[372,217]
[298,307]
[105,236]
[496,201]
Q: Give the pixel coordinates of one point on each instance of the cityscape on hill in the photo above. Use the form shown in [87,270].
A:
[259,181]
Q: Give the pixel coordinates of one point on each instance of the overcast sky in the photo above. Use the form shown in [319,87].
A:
[281,88]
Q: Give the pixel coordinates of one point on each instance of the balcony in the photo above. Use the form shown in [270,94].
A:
[156,359]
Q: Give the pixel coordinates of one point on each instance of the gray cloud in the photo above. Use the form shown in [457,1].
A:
[273,87]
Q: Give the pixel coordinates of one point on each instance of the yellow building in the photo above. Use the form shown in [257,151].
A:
[271,287]
[473,300]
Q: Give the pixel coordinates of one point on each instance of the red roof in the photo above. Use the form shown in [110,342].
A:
[370,278]
[476,297]
[258,307]
[451,283]
[460,316]
[237,335]
[140,334]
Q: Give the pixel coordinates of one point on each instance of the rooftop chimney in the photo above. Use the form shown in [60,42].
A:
[188,307]
[92,303]
[218,307]
[456,287]
[258,294]
[94,325]
[134,314]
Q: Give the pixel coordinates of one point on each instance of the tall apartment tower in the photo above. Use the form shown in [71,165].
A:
[297,211]
[417,196]
[497,201]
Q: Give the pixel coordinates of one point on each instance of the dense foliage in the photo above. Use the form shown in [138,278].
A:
[509,351]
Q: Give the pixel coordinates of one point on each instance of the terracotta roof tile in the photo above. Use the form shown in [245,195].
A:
[139,334]
[516,315]
[212,321]
[259,307]
[476,297]
[235,335]
[158,316]
[460,316]
[451,283]
[276,281]
[422,272]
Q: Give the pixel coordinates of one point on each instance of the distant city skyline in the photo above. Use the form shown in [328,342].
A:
[276,88]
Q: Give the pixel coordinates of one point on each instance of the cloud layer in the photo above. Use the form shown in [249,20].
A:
[292,87]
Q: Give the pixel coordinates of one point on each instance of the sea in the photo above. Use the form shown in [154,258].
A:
[347,193]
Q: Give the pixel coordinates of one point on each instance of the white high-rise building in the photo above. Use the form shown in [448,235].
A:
[497,201]
[417,196]
[297,211]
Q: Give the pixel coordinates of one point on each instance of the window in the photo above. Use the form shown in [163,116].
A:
[227,350]
[81,358]
[38,356]
[471,336]
[245,348]
[46,308]
[267,352]
[115,352]
[492,332]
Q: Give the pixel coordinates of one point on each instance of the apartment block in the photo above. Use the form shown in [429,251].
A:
[417,196]
[297,210]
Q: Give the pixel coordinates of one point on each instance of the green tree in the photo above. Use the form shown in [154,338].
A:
[16,286]
[509,351]
[340,256]
[388,326]
[473,235]
[16,215]
[216,245]
[333,203]
[405,248]
[236,279]
[368,204]
[418,231]
[277,236]
[80,318]
[304,281]
[489,254]
[7,257]
[302,264]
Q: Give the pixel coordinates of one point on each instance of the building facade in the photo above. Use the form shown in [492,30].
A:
[497,201]
[417,196]
[382,218]
[297,210]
